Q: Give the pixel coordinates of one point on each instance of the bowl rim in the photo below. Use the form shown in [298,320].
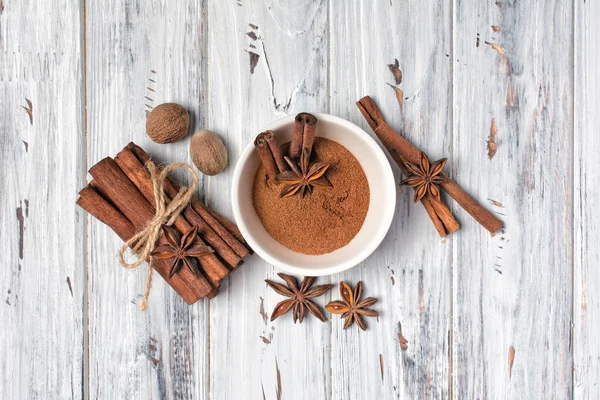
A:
[351,262]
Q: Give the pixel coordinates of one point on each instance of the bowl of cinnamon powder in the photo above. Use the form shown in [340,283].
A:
[314,194]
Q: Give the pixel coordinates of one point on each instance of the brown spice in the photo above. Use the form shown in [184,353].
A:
[324,221]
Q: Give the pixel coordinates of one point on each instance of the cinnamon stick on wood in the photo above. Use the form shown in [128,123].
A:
[140,176]
[95,204]
[226,229]
[441,217]
[113,184]
[392,140]
[303,135]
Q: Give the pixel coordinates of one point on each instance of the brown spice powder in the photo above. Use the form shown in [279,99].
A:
[324,221]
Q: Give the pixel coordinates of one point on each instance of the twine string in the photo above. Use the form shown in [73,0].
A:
[167,211]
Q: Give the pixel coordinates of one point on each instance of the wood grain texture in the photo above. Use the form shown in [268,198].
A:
[411,271]
[265,59]
[141,54]
[512,292]
[586,281]
[42,278]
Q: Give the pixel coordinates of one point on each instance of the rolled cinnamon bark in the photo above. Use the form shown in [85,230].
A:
[140,176]
[228,225]
[266,156]
[226,229]
[275,148]
[440,215]
[402,150]
[116,186]
[95,204]
[303,135]
[392,140]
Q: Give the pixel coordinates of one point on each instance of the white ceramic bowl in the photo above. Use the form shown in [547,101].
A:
[377,221]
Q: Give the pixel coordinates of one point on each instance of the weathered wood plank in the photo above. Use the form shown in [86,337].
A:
[411,272]
[266,59]
[141,54]
[42,160]
[512,293]
[586,304]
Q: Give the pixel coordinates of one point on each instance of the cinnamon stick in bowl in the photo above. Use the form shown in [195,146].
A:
[303,135]
[266,155]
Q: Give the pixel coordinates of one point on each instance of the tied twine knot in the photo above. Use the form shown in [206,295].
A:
[167,211]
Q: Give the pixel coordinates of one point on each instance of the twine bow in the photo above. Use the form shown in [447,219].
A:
[144,241]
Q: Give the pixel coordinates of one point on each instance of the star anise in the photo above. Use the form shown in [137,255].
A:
[181,250]
[425,177]
[298,297]
[351,307]
[303,177]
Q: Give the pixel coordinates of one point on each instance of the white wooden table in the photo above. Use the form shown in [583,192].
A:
[76,81]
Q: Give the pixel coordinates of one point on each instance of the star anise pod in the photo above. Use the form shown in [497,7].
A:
[303,177]
[425,177]
[298,297]
[181,250]
[351,307]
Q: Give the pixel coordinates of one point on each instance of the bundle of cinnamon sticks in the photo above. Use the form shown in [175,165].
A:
[121,195]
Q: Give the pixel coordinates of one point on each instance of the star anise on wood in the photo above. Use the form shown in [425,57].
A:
[351,307]
[299,297]
[303,177]
[425,177]
[181,250]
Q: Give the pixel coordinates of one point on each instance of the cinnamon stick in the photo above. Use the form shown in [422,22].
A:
[266,156]
[440,216]
[303,135]
[393,140]
[275,148]
[92,202]
[226,229]
[116,187]
[400,148]
[95,204]
[228,225]
[140,176]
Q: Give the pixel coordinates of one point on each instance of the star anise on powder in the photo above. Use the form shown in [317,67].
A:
[181,250]
[299,297]
[425,177]
[303,177]
[351,307]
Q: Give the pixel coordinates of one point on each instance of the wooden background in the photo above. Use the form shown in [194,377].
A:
[511,316]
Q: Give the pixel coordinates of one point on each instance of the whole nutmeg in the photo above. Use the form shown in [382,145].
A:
[208,152]
[167,123]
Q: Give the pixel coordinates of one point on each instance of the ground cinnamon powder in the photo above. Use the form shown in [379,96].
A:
[324,221]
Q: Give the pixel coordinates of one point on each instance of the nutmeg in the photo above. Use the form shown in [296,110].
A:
[167,123]
[208,152]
